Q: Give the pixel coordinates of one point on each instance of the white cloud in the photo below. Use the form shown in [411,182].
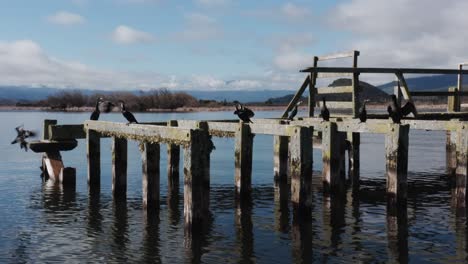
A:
[405,33]
[127,35]
[213,3]
[199,27]
[66,18]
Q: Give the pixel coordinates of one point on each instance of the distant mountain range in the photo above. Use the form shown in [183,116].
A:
[426,83]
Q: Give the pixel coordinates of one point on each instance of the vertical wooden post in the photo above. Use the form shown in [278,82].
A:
[354,140]
[300,166]
[312,82]
[93,145]
[462,166]
[119,166]
[451,152]
[150,167]
[356,88]
[67,178]
[396,152]
[173,157]
[45,130]
[243,159]
[333,150]
[280,158]
[196,207]
[53,165]
[203,125]
[453,101]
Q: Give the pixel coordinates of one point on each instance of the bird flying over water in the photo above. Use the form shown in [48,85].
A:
[363,112]
[21,136]
[294,111]
[396,113]
[244,113]
[129,116]
[324,112]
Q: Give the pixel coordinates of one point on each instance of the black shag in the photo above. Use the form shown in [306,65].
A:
[324,112]
[363,112]
[294,111]
[396,113]
[21,136]
[244,113]
[96,112]
[129,116]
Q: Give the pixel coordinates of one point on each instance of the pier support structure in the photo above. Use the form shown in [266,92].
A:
[151,175]
[243,160]
[353,145]
[173,161]
[119,167]
[333,150]
[93,146]
[462,166]
[396,154]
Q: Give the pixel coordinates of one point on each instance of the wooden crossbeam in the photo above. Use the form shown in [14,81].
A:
[384,70]
[335,90]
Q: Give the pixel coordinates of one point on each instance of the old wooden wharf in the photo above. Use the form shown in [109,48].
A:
[293,144]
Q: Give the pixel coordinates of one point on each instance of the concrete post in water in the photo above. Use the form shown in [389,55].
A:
[93,145]
[173,159]
[300,166]
[119,166]
[151,177]
[280,158]
[451,152]
[354,140]
[333,150]
[196,207]
[243,159]
[462,166]
[396,154]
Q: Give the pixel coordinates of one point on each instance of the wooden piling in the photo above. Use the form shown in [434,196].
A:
[67,178]
[396,154]
[45,130]
[53,165]
[354,140]
[119,166]
[462,166]
[243,159]
[151,177]
[196,207]
[93,144]
[280,158]
[173,161]
[300,166]
[333,149]
[451,152]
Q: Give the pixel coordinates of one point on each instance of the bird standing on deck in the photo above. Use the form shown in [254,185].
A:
[129,116]
[396,113]
[294,111]
[324,112]
[244,113]
[363,112]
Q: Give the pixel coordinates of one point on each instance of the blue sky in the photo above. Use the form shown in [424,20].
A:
[216,44]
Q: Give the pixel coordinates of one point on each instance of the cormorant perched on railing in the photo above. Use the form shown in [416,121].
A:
[244,113]
[396,113]
[294,111]
[96,112]
[363,112]
[324,112]
[129,116]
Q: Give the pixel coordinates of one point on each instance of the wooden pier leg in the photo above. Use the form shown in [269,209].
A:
[173,161]
[396,152]
[196,207]
[280,158]
[451,153]
[45,130]
[333,146]
[462,166]
[68,178]
[203,125]
[94,158]
[53,165]
[150,167]
[119,167]
[354,140]
[243,160]
[300,167]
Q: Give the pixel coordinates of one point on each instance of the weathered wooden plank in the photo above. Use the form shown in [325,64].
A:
[45,129]
[404,89]
[451,152]
[119,167]
[52,146]
[335,90]
[354,141]
[453,102]
[300,166]
[62,132]
[396,154]
[151,175]
[337,105]
[280,158]
[356,88]
[334,75]
[333,147]
[269,129]
[339,55]
[243,159]
[93,149]
[296,97]
[451,92]
[173,161]
[312,89]
[151,133]
[462,166]
[383,70]
[195,206]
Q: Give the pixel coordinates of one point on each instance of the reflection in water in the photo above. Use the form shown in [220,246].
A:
[120,230]
[173,201]
[397,233]
[151,236]
[282,206]
[197,240]
[301,235]
[244,230]
[334,219]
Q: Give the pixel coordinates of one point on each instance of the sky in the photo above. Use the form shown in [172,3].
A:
[218,44]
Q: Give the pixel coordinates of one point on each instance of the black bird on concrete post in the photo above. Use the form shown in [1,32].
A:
[324,112]
[244,113]
[396,113]
[294,111]
[129,116]
[363,112]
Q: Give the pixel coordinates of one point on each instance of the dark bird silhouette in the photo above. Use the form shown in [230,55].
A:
[104,106]
[324,112]
[21,136]
[96,112]
[129,116]
[363,112]
[244,113]
[396,113]
[294,111]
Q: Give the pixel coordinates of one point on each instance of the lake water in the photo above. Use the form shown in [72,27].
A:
[39,223]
